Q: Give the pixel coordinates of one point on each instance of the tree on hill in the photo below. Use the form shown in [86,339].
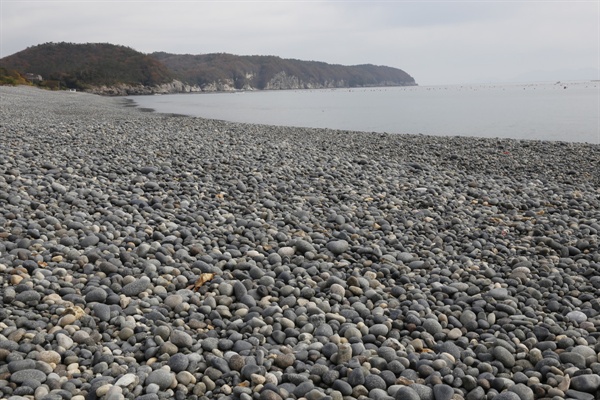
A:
[258,71]
[12,77]
[92,64]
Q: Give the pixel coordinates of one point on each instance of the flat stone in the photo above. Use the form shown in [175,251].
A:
[379,330]
[28,297]
[27,375]
[89,241]
[302,246]
[498,293]
[127,380]
[577,316]
[95,295]
[589,383]
[136,287]
[576,359]
[19,365]
[577,395]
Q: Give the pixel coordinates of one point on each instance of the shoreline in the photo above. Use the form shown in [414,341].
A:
[146,255]
[434,111]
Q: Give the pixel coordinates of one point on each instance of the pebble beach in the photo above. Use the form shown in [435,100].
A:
[152,256]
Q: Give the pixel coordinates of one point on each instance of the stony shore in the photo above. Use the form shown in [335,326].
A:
[157,256]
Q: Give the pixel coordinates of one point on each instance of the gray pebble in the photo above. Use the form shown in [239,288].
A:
[101,311]
[161,377]
[29,297]
[179,362]
[443,392]
[523,391]
[136,287]
[96,295]
[406,393]
[504,356]
[25,375]
[589,383]
[181,339]
[337,247]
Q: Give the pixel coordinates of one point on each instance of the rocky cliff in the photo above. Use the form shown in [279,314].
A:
[124,89]
[232,72]
[117,70]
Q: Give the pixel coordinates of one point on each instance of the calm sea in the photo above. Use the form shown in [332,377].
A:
[543,111]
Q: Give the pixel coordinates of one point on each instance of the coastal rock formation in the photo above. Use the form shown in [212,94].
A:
[283,81]
[123,89]
[108,69]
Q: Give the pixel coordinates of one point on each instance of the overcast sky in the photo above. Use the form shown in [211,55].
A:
[437,42]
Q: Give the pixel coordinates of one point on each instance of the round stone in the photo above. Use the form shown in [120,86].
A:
[352,332]
[284,360]
[338,247]
[49,356]
[577,316]
[161,377]
[443,392]
[373,381]
[179,362]
[432,326]
[101,311]
[406,393]
[523,391]
[379,330]
[95,295]
[181,339]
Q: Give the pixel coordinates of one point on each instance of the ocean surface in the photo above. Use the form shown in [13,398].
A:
[542,111]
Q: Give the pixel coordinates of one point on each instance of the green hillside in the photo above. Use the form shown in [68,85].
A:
[91,64]
[12,77]
[258,71]
[95,65]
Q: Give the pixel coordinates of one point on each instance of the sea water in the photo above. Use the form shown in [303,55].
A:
[542,111]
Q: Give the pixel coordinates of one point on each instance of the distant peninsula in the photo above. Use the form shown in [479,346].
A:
[110,69]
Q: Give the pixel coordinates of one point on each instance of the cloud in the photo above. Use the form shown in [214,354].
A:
[435,41]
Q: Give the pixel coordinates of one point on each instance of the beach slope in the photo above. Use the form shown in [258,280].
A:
[158,256]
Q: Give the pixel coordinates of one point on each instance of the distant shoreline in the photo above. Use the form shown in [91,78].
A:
[534,111]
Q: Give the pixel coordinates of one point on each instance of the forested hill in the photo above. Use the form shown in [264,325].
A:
[93,64]
[111,69]
[270,72]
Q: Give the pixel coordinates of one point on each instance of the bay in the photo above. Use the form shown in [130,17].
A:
[540,111]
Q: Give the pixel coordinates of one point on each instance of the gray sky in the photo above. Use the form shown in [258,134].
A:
[437,42]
